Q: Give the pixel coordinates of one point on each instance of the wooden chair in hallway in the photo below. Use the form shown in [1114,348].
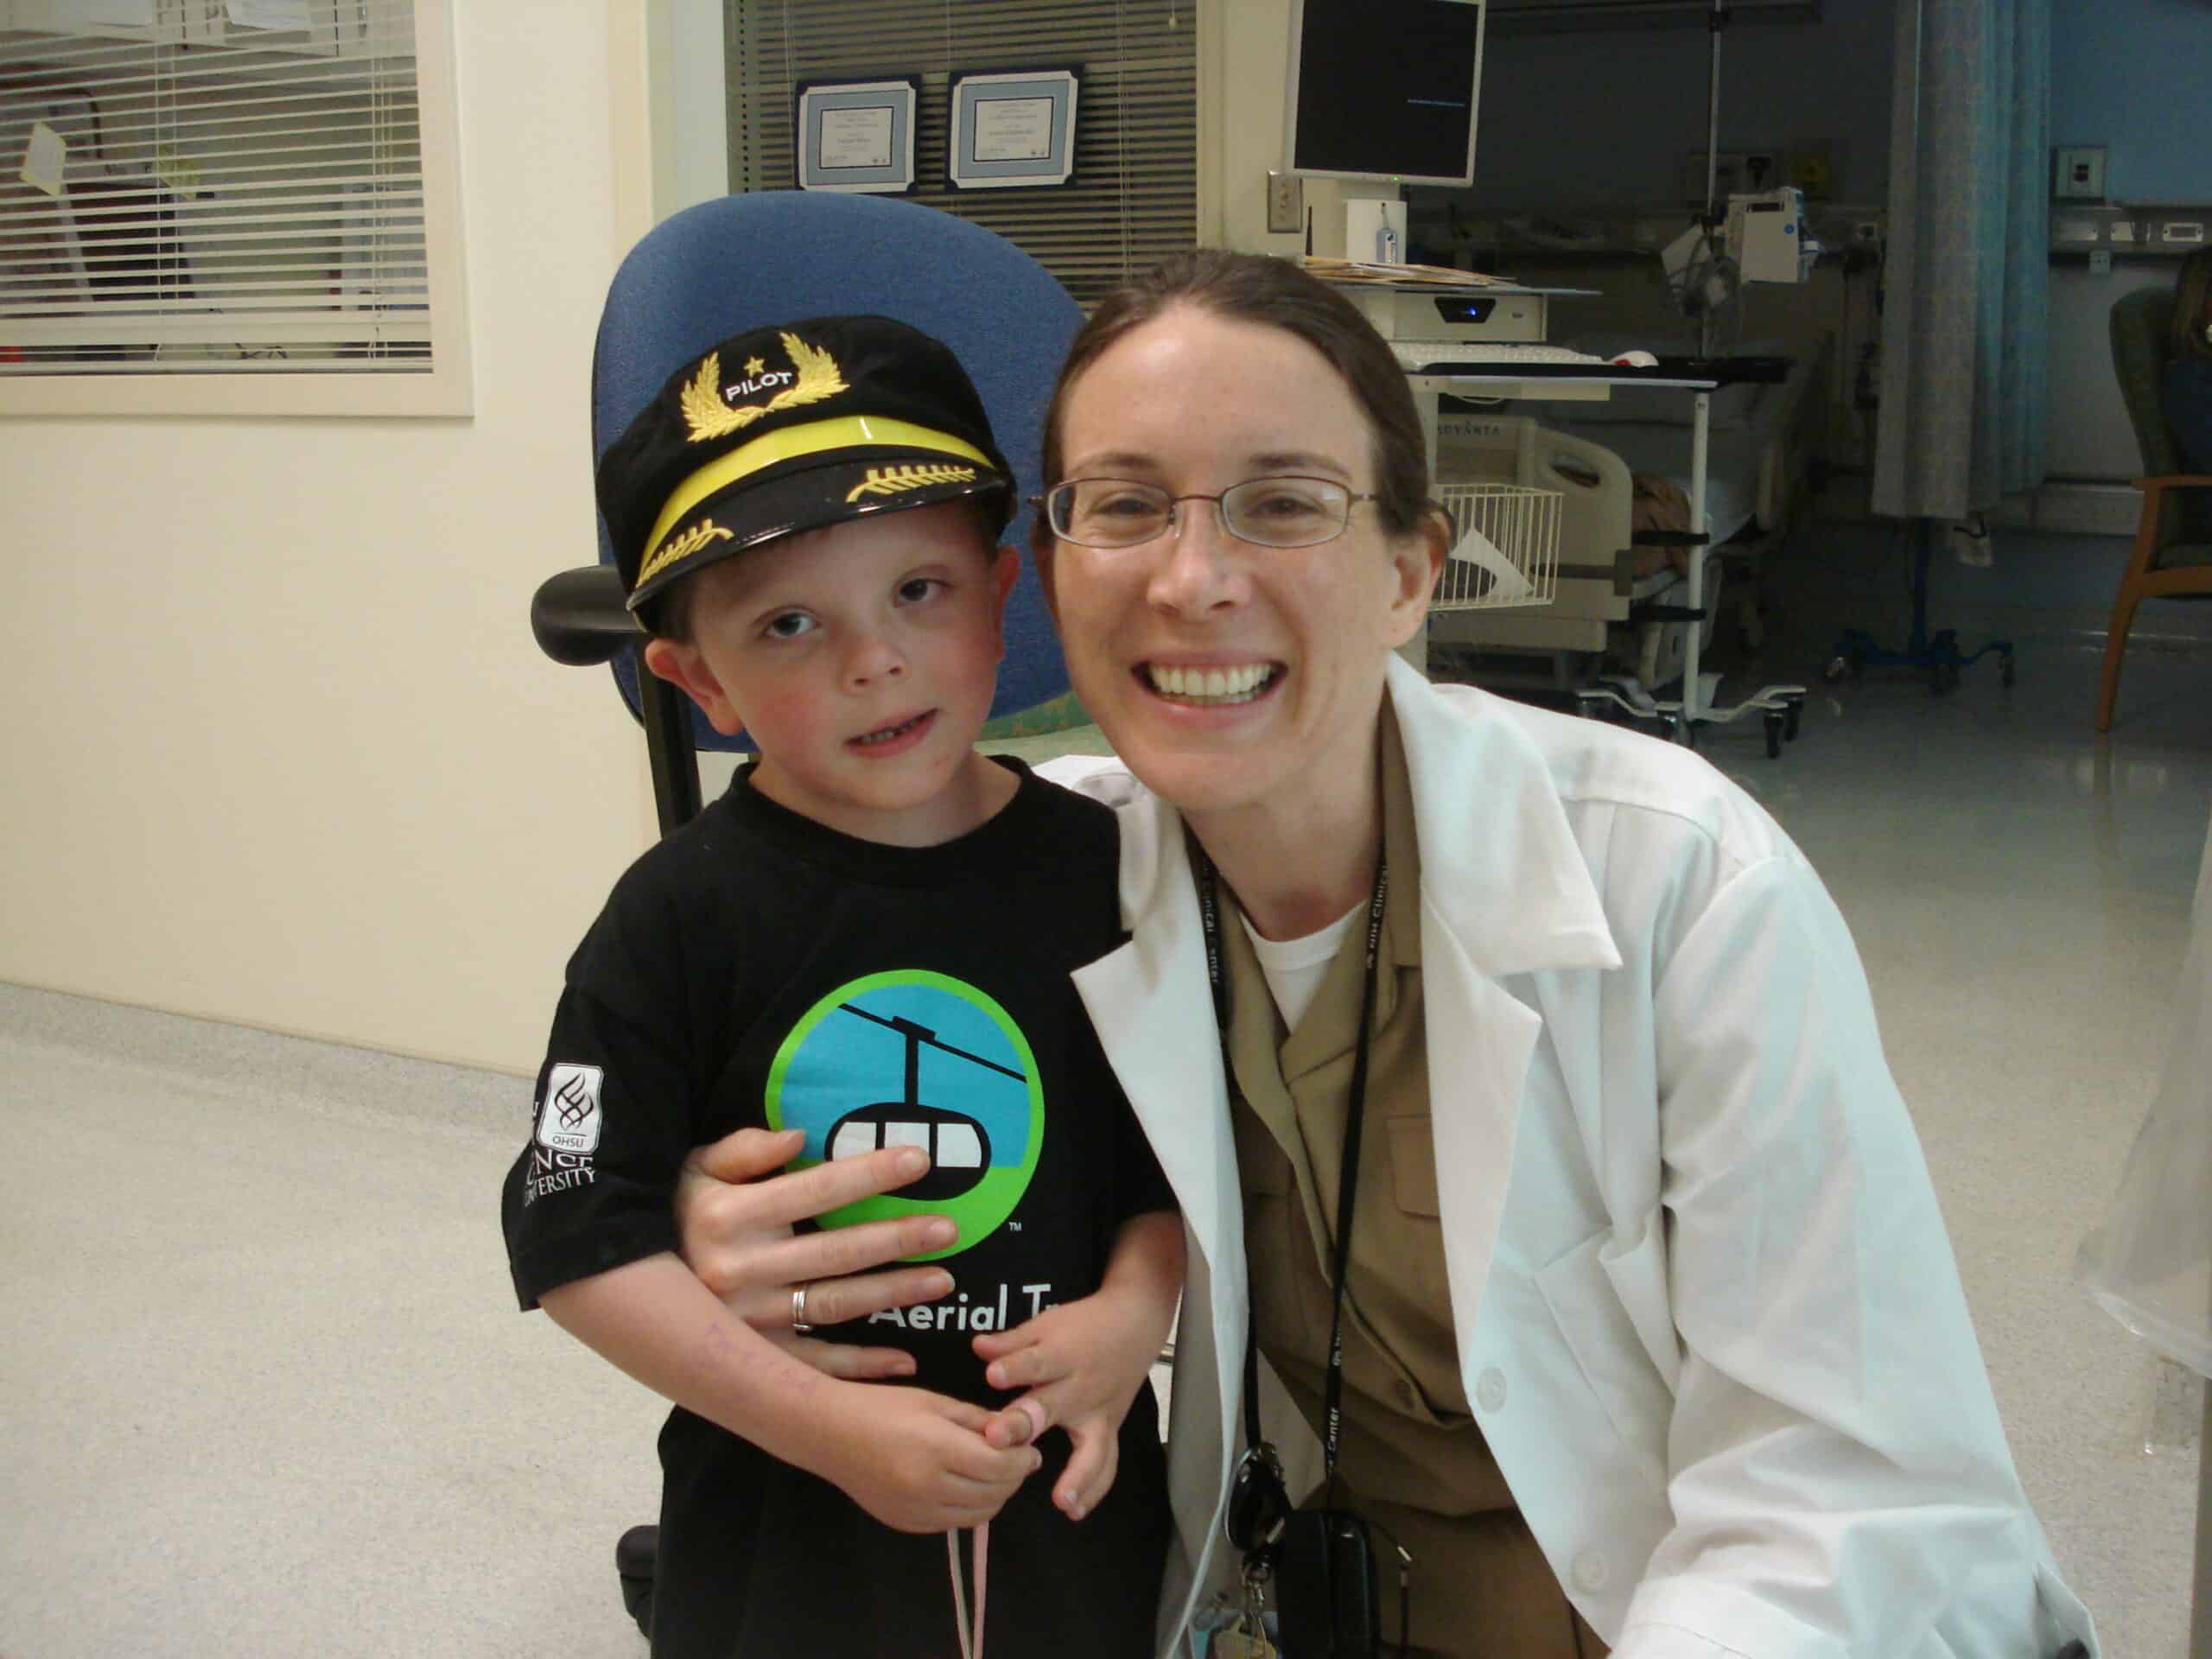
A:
[2172,557]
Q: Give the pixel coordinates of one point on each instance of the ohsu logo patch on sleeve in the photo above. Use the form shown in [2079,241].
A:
[567,1112]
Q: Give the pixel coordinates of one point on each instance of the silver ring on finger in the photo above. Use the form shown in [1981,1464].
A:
[799,1324]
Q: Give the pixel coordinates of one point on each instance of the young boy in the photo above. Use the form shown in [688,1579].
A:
[868,938]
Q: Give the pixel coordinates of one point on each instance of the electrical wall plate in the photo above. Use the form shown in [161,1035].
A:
[2078,172]
[1286,202]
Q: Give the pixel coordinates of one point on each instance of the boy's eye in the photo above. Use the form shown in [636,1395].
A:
[915,589]
[789,625]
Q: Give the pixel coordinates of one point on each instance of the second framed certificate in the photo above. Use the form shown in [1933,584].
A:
[1009,131]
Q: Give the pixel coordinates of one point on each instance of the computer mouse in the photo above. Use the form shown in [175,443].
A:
[1636,360]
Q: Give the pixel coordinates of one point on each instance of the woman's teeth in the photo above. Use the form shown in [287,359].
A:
[890,732]
[1211,684]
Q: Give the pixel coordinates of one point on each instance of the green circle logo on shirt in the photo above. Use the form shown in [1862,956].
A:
[914,1058]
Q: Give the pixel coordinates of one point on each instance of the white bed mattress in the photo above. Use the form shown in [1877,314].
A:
[1731,467]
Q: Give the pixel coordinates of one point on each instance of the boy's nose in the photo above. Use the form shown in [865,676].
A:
[870,657]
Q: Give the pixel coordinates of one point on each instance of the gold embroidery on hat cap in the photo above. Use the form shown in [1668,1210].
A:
[891,481]
[708,416]
[682,547]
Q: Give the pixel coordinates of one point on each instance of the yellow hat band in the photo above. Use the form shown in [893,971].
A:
[791,443]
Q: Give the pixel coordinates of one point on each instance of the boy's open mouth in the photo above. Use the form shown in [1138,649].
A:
[892,733]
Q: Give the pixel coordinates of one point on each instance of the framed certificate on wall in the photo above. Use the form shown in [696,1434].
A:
[856,136]
[1010,130]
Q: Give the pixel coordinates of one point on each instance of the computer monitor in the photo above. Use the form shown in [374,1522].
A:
[1384,90]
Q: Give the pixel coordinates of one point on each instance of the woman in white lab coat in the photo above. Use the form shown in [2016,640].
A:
[1646,1271]
[1699,1298]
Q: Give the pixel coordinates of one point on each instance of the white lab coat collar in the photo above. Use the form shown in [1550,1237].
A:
[1500,868]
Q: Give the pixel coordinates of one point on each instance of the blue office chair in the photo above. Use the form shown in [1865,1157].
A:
[747,261]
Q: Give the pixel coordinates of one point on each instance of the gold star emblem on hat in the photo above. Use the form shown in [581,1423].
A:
[753,366]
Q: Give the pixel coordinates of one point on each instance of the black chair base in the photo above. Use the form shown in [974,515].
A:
[635,1554]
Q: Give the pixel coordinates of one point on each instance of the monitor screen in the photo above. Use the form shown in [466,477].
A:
[1384,89]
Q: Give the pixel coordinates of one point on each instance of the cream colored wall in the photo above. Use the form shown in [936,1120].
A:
[277,747]
[1244,68]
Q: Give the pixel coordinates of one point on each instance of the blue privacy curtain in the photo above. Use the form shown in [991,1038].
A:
[1967,276]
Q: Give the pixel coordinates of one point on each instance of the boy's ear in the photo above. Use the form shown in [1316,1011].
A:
[685,667]
[1006,570]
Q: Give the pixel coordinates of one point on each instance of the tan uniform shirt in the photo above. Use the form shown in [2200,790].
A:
[1413,1460]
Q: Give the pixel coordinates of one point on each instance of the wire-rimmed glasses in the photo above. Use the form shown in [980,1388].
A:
[1288,511]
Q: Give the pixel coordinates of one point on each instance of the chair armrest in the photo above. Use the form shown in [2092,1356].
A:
[2151,486]
[580,618]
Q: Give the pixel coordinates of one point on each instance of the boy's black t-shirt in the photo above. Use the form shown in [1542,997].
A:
[759,968]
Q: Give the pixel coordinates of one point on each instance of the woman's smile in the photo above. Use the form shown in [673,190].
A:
[1203,685]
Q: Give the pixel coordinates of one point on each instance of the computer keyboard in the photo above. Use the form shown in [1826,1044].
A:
[1414,355]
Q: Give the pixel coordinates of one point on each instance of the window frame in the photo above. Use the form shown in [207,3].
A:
[445,389]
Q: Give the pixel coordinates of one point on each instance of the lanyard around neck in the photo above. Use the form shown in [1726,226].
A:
[1347,1176]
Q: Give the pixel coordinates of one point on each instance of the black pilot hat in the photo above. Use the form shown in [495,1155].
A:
[788,429]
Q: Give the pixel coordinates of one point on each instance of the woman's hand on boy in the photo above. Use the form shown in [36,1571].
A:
[734,1207]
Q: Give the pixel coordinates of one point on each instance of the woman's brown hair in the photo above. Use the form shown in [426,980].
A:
[1260,289]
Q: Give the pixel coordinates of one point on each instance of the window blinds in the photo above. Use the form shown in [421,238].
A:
[1133,196]
[214,188]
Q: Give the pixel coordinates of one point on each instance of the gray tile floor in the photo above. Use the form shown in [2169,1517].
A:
[264,1392]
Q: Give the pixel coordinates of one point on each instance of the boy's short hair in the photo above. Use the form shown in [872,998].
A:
[812,423]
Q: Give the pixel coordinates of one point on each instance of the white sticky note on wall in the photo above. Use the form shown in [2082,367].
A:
[68,14]
[46,159]
[269,14]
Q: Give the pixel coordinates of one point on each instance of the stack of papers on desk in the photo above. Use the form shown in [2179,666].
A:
[1356,270]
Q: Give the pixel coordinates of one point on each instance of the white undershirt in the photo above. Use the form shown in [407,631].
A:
[1295,968]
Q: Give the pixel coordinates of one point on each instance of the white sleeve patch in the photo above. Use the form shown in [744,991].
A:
[567,1115]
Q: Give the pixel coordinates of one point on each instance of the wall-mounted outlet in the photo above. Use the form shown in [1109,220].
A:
[1286,202]
[2100,262]
[2079,173]
[1866,231]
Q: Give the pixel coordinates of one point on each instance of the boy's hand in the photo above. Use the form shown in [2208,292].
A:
[917,1461]
[734,1210]
[1082,1363]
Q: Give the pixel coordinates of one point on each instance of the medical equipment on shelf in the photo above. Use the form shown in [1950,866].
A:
[1496,312]
[1504,548]
[1767,237]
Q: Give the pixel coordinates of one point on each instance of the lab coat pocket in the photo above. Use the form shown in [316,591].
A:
[1579,1291]
[1637,1272]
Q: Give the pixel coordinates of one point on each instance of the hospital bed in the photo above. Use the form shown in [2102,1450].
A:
[1620,607]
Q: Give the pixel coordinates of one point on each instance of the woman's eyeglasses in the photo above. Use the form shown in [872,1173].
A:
[1268,512]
